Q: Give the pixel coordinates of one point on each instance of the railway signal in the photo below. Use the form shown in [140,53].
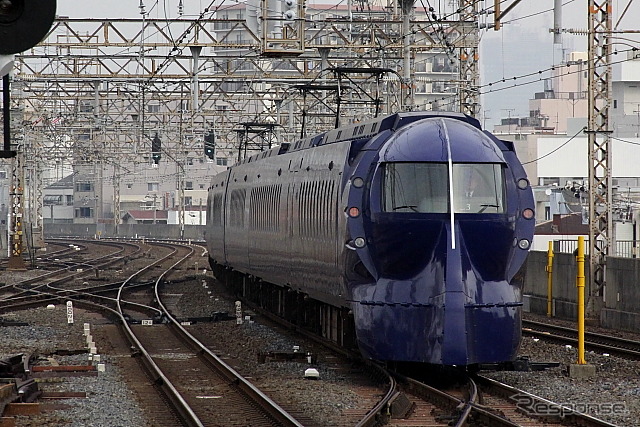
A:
[156,147]
[210,145]
[24,23]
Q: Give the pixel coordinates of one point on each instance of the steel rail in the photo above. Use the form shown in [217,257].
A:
[275,411]
[562,414]
[378,412]
[614,345]
[186,414]
[13,298]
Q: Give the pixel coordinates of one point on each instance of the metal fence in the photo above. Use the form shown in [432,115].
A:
[623,248]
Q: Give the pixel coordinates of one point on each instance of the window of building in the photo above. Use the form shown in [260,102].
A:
[84,186]
[84,212]
[188,201]
[69,198]
[129,186]
[188,185]
[201,186]
[50,200]
[153,186]
[3,174]
[221,161]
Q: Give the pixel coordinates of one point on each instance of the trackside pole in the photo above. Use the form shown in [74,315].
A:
[581,370]
[550,279]
[580,286]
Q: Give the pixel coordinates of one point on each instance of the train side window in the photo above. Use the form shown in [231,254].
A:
[236,208]
[216,210]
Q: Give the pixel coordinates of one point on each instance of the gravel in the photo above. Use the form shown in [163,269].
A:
[613,395]
[110,403]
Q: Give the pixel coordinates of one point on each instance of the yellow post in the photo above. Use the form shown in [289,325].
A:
[580,286]
[549,270]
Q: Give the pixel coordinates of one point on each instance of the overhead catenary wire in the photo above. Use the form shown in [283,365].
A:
[539,74]
[488,88]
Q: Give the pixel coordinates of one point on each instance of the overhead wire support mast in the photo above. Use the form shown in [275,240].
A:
[469,74]
[600,180]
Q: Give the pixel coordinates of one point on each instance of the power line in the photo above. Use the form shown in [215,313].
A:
[539,73]
[553,151]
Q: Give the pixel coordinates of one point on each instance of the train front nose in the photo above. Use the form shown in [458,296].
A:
[453,311]
[481,313]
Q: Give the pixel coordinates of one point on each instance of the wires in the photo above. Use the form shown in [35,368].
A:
[625,141]
[553,151]
[535,14]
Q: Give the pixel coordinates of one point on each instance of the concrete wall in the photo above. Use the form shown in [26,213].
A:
[622,295]
[622,299]
[159,231]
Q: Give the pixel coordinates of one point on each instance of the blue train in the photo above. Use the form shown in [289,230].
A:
[404,234]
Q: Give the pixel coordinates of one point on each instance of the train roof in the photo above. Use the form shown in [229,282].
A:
[363,130]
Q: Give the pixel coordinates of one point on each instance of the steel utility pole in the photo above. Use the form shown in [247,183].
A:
[407,81]
[600,182]
[469,75]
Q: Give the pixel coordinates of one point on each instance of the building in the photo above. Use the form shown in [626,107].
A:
[145,217]
[564,98]
[85,197]
[58,205]
[555,150]
[625,111]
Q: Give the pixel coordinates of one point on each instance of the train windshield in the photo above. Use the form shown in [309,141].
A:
[428,188]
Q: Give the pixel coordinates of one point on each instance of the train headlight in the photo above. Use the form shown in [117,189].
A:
[523,183]
[524,244]
[357,182]
[353,212]
[528,213]
[359,242]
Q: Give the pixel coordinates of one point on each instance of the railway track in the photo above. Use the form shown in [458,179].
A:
[479,401]
[186,367]
[183,369]
[43,286]
[593,341]
[526,409]
[482,401]
[398,403]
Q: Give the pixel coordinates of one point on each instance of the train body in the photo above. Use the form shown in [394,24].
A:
[416,223]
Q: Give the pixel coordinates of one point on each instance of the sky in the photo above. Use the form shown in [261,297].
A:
[525,45]
[522,46]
